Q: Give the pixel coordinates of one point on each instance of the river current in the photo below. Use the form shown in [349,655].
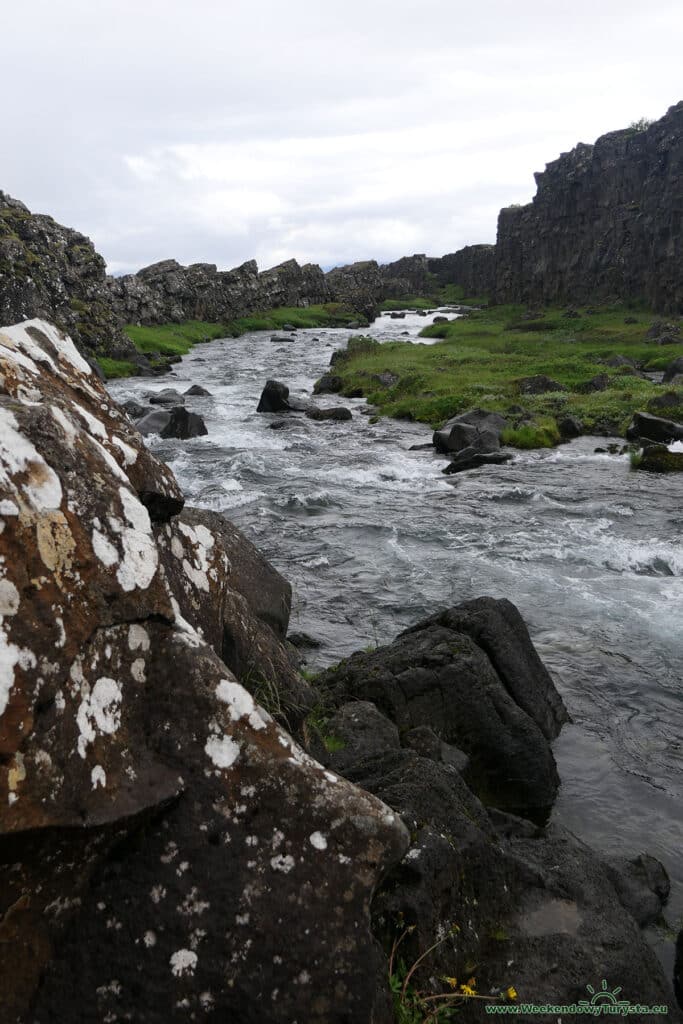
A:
[374,537]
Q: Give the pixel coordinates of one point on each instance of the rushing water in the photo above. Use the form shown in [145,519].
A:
[373,537]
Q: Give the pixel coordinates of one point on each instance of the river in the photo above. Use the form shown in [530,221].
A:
[373,537]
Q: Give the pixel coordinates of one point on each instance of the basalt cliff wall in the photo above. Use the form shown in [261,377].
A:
[604,225]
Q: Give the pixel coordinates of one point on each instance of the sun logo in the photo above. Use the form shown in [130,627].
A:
[604,996]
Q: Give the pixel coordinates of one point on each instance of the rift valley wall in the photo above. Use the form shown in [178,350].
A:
[605,223]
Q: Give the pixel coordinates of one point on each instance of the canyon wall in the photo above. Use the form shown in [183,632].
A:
[605,224]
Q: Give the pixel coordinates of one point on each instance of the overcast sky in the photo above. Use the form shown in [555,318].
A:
[225,130]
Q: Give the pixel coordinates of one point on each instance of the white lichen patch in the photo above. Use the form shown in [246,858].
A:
[9,598]
[104,549]
[149,939]
[98,777]
[138,638]
[283,863]
[18,458]
[64,346]
[94,425]
[65,422]
[318,840]
[99,711]
[137,670]
[130,456]
[240,703]
[11,656]
[140,557]
[222,750]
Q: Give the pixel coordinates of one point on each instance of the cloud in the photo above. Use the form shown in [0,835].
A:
[235,130]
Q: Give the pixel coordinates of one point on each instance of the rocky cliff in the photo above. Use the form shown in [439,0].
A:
[473,268]
[605,224]
[47,270]
[168,292]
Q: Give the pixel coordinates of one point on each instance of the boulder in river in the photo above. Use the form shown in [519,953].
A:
[197,391]
[645,426]
[177,422]
[470,458]
[478,429]
[339,412]
[169,396]
[656,458]
[274,397]
[329,384]
[472,675]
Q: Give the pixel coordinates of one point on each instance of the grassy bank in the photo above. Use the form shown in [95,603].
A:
[481,359]
[164,340]
[450,293]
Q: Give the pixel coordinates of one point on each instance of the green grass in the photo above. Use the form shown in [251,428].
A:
[409,302]
[173,339]
[178,339]
[116,367]
[481,358]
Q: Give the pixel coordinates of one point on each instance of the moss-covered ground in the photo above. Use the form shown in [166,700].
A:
[480,359]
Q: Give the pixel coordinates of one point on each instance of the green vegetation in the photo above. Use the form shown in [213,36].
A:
[173,339]
[480,360]
[165,340]
[116,367]
[410,302]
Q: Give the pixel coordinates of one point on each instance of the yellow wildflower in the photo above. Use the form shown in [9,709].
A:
[451,982]
[511,992]
[469,989]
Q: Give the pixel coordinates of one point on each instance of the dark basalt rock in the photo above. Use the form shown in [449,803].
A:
[197,391]
[177,422]
[672,370]
[499,707]
[539,384]
[602,225]
[642,886]
[569,427]
[476,429]
[652,428]
[600,382]
[335,413]
[470,458]
[169,396]
[329,384]
[134,409]
[658,459]
[274,397]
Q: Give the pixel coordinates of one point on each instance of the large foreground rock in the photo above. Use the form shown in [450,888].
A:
[167,851]
[471,675]
[494,897]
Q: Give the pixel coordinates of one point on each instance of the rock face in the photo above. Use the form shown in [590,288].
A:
[492,896]
[473,677]
[605,223]
[47,270]
[473,268]
[167,839]
[167,291]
